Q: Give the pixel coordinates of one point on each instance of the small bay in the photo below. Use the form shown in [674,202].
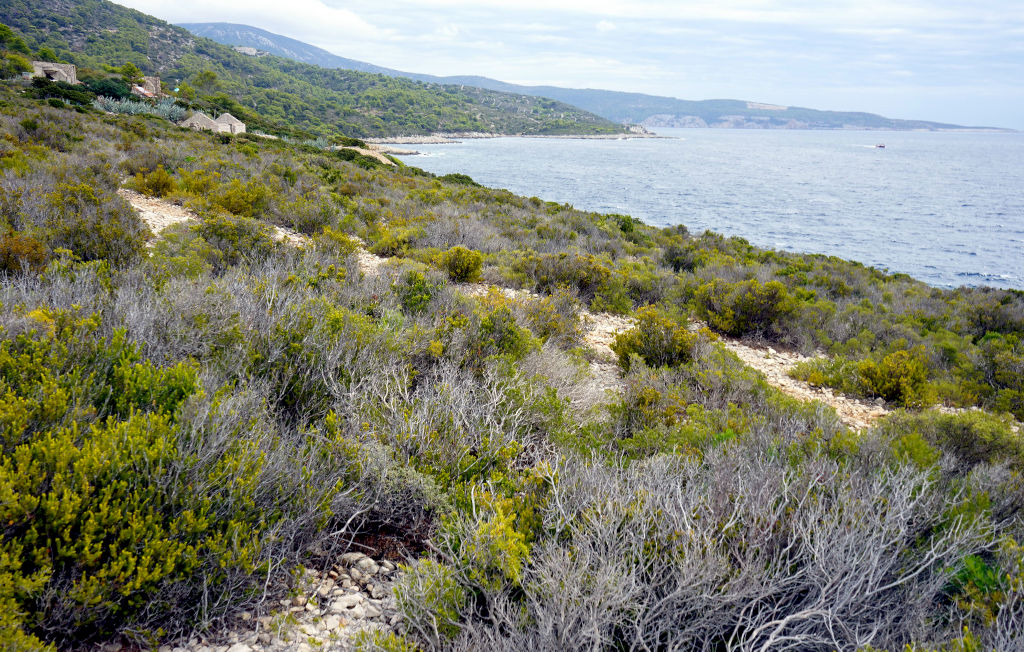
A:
[944,207]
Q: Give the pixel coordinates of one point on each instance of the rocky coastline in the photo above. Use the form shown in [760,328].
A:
[457,137]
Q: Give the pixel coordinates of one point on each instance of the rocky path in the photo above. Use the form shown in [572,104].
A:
[775,366]
[329,609]
[600,332]
[601,327]
[158,214]
[372,153]
[328,612]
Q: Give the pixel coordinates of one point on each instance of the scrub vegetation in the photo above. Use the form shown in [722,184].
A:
[183,425]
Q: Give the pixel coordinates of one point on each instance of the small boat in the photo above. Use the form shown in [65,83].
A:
[880,146]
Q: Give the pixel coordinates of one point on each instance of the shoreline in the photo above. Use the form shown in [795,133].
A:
[453,138]
[967,276]
[383,143]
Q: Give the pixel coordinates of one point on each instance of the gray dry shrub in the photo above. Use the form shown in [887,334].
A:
[659,555]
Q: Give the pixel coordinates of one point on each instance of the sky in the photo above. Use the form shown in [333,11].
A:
[941,60]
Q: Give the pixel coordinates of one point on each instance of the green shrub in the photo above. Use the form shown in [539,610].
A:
[20,252]
[119,518]
[393,242]
[43,88]
[914,448]
[309,215]
[556,318]
[379,641]
[745,307]
[548,272]
[180,252]
[108,87]
[837,372]
[94,223]
[158,183]
[431,599]
[234,239]
[199,182]
[1002,366]
[901,377]
[495,551]
[463,265]
[460,179]
[681,258]
[660,340]
[974,437]
[336,241]
[248,199]
[498,332]
[612,296]
[415,291]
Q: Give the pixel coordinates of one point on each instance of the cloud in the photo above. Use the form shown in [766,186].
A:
[299,18]
[778,51]
[447,31]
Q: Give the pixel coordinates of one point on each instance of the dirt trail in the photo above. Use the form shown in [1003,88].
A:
[158,214]
[775,366]
[601,328]
[372,153]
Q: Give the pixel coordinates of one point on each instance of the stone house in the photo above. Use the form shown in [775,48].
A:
[229,124]
[225,124]
[64,72]
[150,87]
[199,121]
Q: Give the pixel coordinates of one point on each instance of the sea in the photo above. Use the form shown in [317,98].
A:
[945,207]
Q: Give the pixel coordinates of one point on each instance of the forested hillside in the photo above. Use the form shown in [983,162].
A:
[654,110]
[191,417]
[277,94]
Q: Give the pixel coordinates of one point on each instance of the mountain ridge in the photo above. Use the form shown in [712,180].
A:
[275,93]
[618,106]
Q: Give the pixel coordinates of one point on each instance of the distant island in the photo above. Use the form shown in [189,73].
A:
[650,111]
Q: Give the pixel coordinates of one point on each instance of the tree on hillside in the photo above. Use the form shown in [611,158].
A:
[12,65]
[130,73]
[187,92]
[11,41]
[47,54]
[205,81]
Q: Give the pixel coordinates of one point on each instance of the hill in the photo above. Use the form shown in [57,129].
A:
[226,384]
[282,46]
[278,94]
[634,108]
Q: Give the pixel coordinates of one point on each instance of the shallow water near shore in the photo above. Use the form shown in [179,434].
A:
[946,208]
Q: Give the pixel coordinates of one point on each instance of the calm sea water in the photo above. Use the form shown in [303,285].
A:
[947,208]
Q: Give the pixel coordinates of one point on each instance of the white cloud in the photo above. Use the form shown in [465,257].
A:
[780,51]
[303,19]
[447,31]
